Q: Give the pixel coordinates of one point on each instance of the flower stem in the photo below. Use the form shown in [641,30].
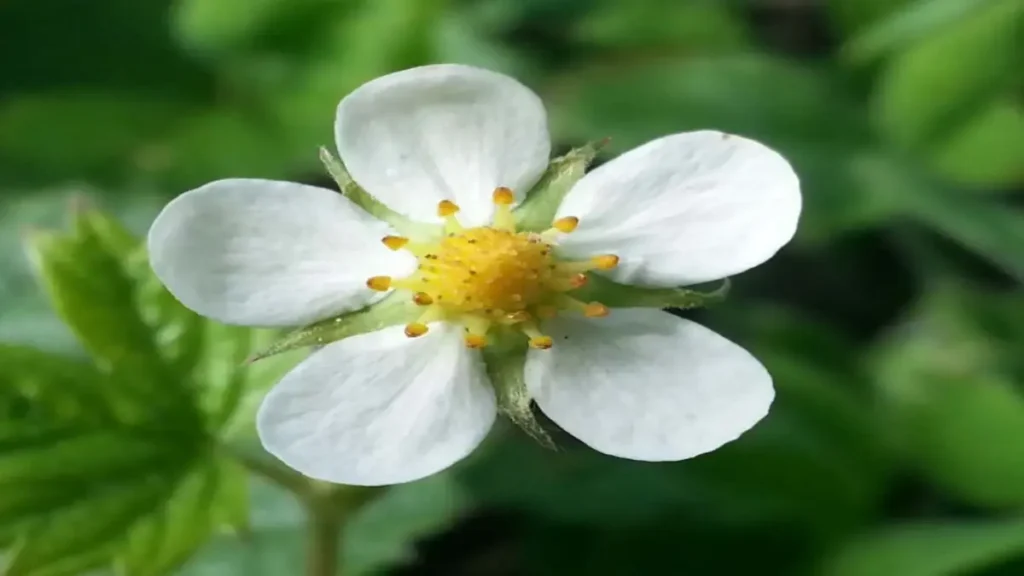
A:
[327,506]
[324,538]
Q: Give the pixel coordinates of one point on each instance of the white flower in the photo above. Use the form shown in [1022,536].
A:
[459,146]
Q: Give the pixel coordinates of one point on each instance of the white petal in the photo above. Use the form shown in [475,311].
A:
[440,132]
[685,208]
[645,385]
[263,253]
[380,408]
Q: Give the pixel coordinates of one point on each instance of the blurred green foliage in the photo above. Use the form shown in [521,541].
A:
[893,325]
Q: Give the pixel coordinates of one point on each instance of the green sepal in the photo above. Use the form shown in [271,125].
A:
[394,309]
[538,210]
[615,295]
[505,358]
[354,192]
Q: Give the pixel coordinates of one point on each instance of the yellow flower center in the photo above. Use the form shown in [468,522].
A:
[493,275]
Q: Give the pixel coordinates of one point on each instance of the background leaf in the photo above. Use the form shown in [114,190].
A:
[938,549]
[119,462]
[954,396]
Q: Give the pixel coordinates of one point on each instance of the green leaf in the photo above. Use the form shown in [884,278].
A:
[345,53]
[650,98]
[50,389]
[87,276]
[655,548]
[84,441]
[218,25]
[947,380]
[982,225]
[70,42]
[461,37]
[941,548]
[705,26]
[90,524]
[909,23]
[218,142]
[988,150]
[930,89]
[82,457]
[43,133]
[90,289]
[240,402]
[855,16]
[24,314]
[205,499]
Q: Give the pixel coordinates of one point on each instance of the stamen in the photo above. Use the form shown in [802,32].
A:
[395,242]
[419,327]
[564,284]
[566,225]
[447,209]
[476,331]
[379,283]
[537,339]
[475,341]
[493,275]
[412,283]
[559,228]
[541,342]
[415,329]
[605,262]
[588,309]
[503,196]
[503,219]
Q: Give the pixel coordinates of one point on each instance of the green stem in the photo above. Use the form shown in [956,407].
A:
[284,477]
[325,526]
[326,505]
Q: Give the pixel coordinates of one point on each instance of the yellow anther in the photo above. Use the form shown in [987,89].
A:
[395,242]
[476,330]
[503,196]
[605,262]
[541,342]
[475,340]
[493,275]
[503,219]
[537,340]
[446,208]
[567,224]
[379,283]
[415,329]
